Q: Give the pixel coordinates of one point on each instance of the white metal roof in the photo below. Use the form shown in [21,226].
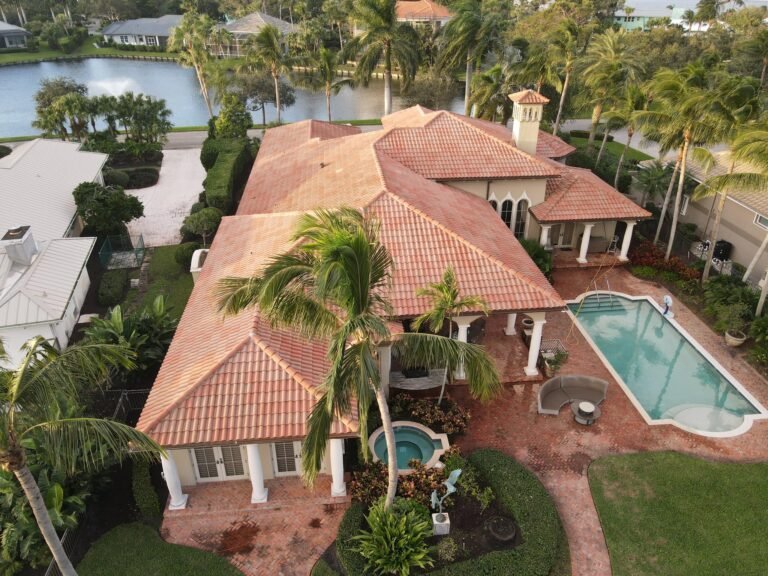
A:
[41,292]
[36,184]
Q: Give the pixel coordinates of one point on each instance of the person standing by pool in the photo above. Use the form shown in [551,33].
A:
[667,305]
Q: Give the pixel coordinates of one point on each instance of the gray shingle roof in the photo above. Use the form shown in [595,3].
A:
[8,29]
[144,26]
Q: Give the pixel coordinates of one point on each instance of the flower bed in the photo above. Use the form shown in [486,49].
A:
[448,417]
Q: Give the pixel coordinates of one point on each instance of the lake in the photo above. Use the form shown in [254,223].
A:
[176,85]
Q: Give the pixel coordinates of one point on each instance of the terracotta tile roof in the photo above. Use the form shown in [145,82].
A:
[451,147]
[528,97]
[552,146]
[234,379]
[581,196]
[421,10]
[277,142]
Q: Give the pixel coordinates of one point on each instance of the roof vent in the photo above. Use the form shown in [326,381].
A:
[19,245]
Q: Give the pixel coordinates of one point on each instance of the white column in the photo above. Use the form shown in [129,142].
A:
[535,343]
[510,329]
[585,242]
[385,367]
[463,323]
[544,240]
[627,240]
[259,493]
[171,475]
[338,487]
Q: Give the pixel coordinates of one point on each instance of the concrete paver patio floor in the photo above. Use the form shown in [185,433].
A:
[559,451]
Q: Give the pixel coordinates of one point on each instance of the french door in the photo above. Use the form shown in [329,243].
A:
[562,235]
[286,458]
[219,463]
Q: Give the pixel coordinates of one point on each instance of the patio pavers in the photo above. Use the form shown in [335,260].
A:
[559,450]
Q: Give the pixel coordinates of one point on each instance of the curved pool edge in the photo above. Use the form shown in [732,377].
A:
[433,462]
[738,431]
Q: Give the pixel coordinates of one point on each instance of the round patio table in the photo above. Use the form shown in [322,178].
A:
[585,412]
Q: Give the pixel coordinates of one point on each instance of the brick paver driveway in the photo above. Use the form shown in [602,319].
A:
[559,451]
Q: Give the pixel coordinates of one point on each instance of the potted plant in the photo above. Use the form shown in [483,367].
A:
[553,361]
[731,318]
[441,522]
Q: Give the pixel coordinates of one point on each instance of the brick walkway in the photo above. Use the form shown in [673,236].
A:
[559,451]
[283,537]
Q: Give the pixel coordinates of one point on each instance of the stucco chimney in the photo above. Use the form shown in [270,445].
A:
[526,117]
[19,245]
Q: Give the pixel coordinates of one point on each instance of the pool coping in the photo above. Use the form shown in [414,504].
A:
[433,462]
[748,418]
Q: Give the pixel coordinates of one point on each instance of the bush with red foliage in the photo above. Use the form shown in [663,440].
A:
[646,253]
[370,483]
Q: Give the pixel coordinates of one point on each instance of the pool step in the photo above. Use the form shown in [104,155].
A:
[605,304]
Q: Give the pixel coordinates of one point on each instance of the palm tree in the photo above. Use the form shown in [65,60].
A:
[757,48]
[652,179]
[33,396]
[383,41]
[469,36]
[538,68]
[683,118]
[333,284]
[689,18]
[623,113]
[446,304]
[490,93]
[323,76]
[190,40]
[265,52]
[609,65]
[735,103]
[563,50]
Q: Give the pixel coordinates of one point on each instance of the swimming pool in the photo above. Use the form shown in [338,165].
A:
[413,441]
[666,373]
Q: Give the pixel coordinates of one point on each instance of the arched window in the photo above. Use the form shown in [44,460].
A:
[521,218]
[494,205]
[506,212]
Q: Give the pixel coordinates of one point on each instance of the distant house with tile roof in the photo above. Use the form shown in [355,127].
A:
[43,279]
[240,30]
[423,12]
[447,191]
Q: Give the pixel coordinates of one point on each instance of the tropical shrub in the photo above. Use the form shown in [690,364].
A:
[448,417]
[184,252]
[144,493]
[447,550]
[5,150]
[116,178]
[469,481]
[203,224]
[369,483]
[197,206]
[113,287]
[541,257]
[644,272]
[724,290]
[106,209]
[646,254]
[233,120]
[142,178]
[396,541]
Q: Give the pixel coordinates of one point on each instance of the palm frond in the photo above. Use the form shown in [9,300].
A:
[233,294]
[752,181]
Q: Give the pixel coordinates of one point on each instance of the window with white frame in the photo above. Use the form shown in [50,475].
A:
[684,205]
[123,39]
[521,218]
[761,221]
[506,212]
[151,40]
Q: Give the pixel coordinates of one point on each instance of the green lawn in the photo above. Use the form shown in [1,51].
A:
[138,550]
[614,148]
[674,515]
[165,277]
[85,51]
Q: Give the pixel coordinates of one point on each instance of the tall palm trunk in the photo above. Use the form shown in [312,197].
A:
[36,502]
[678,197]
[445,376]
[328,100]
[387,80]
[716,227]
[389,436]
[602,145]
[755,259]
[630,133]
[597,112]
[667,196]
[276,79]
[204,89]
[341,38]
[468,84]
[2,14]
[566,82]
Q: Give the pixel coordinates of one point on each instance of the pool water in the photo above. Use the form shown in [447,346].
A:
[668,376]
[411,443]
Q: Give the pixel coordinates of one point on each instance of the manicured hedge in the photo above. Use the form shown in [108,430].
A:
[142,178]
[113,286]
[116,178]
[228,162]
[144,494]
[585,134]
[351,524]
[184,252]
[520,493]
[322,569]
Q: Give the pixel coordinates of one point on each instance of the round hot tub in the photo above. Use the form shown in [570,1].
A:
[413,441]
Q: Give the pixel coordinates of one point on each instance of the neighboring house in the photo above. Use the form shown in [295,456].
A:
[744,222]
[12,37]
[43,280]
[447,191]
[423,12]
[143,31]
[643,16]
[244,28]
